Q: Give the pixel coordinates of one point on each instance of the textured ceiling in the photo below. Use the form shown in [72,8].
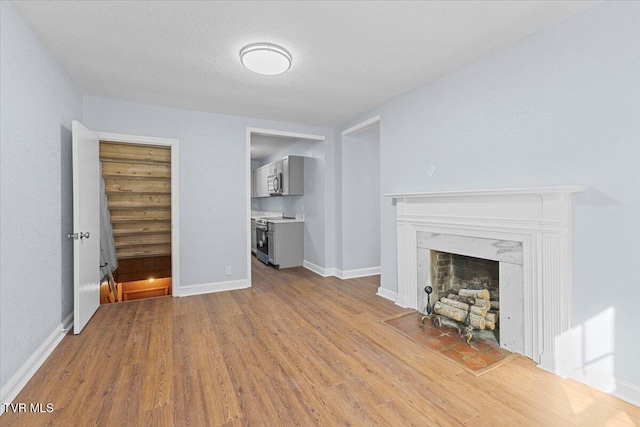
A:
[348,56]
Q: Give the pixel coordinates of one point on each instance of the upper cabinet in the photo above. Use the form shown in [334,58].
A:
[293,176]
[284,177]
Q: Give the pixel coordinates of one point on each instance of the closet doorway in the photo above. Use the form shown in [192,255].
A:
[137,234]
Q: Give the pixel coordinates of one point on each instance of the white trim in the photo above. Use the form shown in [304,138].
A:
[627,392]
[361,126]
[273,132]
[340,274]
[207,288]
[134,139]
[360,272]
[386,293]
[317,269]
[248,180]
[175,202]
[24,374]
[563,189]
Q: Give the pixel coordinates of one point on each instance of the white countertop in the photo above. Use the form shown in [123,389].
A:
[265,214]
[282,220]
[273,217]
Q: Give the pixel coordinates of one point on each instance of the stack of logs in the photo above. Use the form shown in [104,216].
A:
[484,312]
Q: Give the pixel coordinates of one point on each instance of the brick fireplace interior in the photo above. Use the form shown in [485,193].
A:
[452,272]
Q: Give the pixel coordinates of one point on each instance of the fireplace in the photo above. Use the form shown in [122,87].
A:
[450,262]
[453,273]
[526,231]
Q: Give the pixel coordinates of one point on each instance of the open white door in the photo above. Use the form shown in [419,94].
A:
[86,225]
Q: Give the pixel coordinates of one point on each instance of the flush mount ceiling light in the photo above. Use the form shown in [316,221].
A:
[265,58]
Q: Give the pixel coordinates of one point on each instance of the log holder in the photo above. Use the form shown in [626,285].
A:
[465,330]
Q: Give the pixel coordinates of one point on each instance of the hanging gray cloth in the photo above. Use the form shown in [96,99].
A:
[108,257]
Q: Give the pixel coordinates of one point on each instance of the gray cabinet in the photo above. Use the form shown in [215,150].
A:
[260,185]
[254,183]
[254,240]
[291,171]
[286,244]
[293,176]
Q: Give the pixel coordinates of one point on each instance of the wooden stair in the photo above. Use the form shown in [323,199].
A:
[138,186]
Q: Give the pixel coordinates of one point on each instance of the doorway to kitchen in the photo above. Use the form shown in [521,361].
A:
[138,217]
[284,184]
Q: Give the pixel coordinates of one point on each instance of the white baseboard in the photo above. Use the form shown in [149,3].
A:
[386,293]
[549,363]
[317,269]
[341,274]
[207,288]
[24,374]
[361,272]
[621,389]
[627,392]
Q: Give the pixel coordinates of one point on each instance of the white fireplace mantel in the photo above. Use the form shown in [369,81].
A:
[537,217]
[541,191]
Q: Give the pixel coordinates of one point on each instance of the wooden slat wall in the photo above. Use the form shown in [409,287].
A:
[138,186]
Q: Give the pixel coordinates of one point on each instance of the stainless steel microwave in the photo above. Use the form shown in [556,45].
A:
[274,183]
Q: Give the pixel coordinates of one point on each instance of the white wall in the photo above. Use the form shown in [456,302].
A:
[213,223]
[336,203]
[311,203]
[37,103]
[560,107]
[361,200]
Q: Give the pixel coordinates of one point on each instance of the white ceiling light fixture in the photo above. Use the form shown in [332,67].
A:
[265,58]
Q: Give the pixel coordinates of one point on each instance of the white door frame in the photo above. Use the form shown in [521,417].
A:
[271,132]
[175,222]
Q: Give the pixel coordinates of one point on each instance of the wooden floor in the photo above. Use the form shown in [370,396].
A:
[295,349]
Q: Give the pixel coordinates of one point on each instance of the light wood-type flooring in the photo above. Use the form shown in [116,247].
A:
[295,349]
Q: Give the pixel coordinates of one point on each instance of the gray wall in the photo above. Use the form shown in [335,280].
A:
[560,107]
[213,224]
[37,103]
[360,163]
[311,204]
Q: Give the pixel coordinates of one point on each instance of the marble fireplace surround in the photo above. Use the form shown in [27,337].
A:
[536,219]
[509,256]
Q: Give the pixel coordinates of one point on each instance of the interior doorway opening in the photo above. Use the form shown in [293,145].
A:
[136,221]
[265,147]
[359,199]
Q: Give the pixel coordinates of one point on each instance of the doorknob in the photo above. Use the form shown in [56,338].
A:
[76,236]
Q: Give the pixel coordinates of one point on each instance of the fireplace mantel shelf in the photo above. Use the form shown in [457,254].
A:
[564,189]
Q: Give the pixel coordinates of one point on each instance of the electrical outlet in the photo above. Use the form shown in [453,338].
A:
[227,271]
[431,170]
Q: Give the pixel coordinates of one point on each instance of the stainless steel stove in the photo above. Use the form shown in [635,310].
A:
[262,240]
